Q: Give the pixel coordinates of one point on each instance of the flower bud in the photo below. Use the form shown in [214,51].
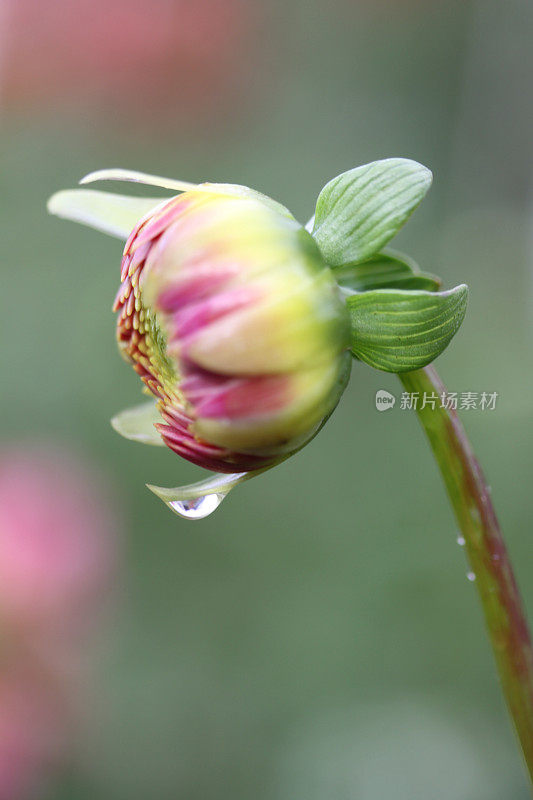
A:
[233,321]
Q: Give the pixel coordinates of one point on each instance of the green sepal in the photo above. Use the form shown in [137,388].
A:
[398,331]
[176,185]
[115,214]
[199,500]
[387,270]
[138,424]
[359,211]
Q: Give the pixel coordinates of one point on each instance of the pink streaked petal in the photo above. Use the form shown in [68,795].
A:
[121,295]
[198,386]
[131,238]
[176,417]
[246,397]
[185,219]
[239,462]
[157,223]
[216,464]
[125,267]
[186,440]
[192,286]
[195,214]
[137,257]
[187,321]
[130,304]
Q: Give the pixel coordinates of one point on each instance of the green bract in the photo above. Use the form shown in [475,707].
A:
[399,319]
[398,331]
[358,212]
[388,270]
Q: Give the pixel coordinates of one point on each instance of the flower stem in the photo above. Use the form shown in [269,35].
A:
[486,551]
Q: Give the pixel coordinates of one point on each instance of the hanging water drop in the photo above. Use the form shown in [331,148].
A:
[197,507]
[199,500]
[461,541]
[471,576]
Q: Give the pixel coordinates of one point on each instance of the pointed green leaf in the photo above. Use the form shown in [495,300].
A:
[199,500]
[138,423]
[132,176]
[233,189]
[387,270]
[115,214]
[358,212]
[398,331]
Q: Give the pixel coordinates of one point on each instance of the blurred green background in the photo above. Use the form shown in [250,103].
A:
[316,638]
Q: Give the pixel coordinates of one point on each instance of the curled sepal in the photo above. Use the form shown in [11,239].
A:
[399,331]
[137,424]
[387,270]
[227,189]
[359,211]
[132,176]
[115,214]
[199,500]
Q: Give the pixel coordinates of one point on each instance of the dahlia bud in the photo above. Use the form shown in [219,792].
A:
[230,316]
[242,323]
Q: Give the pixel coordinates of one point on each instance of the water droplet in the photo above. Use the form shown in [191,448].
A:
[199,500]
[461,541]
[471,576]
[197,507]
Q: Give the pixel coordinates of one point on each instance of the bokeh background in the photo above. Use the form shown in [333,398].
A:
[316,638]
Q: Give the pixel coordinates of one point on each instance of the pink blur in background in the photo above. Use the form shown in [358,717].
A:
[57,562]
[173,57]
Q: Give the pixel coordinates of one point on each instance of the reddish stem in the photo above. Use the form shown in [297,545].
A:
[486,551]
